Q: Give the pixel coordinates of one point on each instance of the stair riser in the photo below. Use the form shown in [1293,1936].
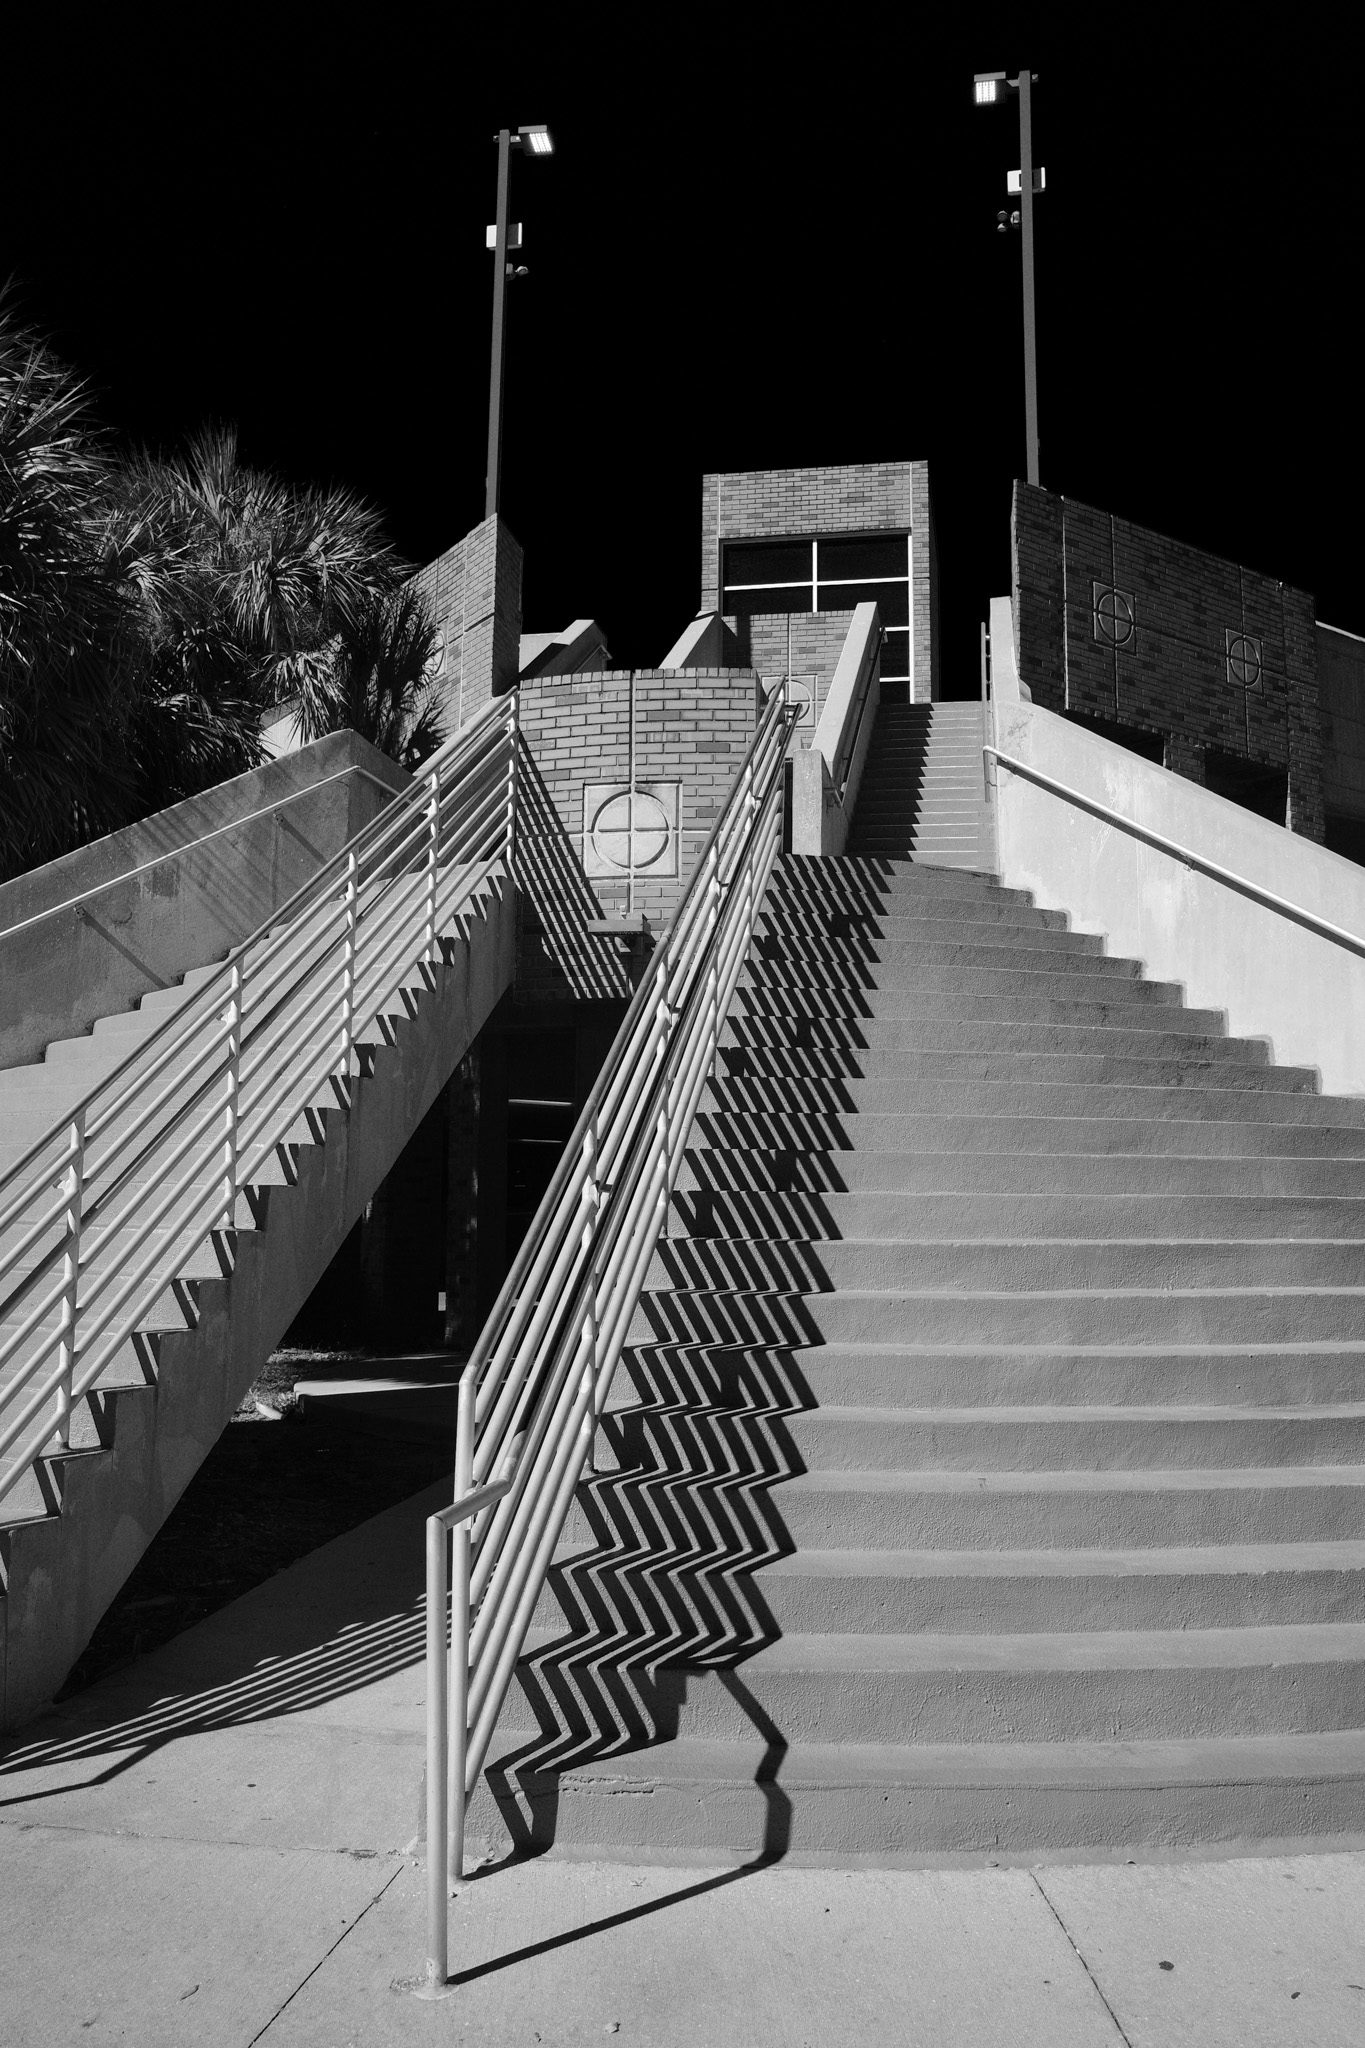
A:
[856,1706]
[1144,1006]
[845,1817]
[959,1604]
[1096,979]
[907,939]
[974,1602]
[823,1518]
[1098,1136]
[870,961]
[993,1268]
[936,914]
[1092,1213]
[795,1377]
[1269,1317]
[1104,1069]
[849,1176]
[1204,1098]
[894,1441]
[856,1041]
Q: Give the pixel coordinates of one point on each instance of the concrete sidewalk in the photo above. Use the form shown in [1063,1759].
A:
[215,1845]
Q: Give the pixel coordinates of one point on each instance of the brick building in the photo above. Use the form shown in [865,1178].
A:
[1204,664]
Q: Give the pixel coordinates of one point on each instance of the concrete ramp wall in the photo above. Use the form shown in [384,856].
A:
[1272,977]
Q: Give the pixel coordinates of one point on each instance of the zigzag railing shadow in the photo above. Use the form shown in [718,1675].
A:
[550,876]
[666,1589]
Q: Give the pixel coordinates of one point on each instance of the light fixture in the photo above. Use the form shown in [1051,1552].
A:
[989,87]
[536,141]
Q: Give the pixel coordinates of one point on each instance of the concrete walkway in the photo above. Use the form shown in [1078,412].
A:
[215,1846]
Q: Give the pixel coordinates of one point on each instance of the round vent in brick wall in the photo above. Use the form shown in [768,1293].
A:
[1244,660]
[611,830]
[1113,615]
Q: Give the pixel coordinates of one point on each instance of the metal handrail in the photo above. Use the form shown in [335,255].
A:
[535,1386]
[104,1214]
[178,852]
[1267,898]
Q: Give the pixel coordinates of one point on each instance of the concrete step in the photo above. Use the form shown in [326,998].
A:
[1226,1133]
[1144,1509]
[870,965]
[1008,1592]
[1135,1006]
[1002,1266]
[779,1378]
[1083,1316]
[1025,1177]
[785,1033]
[678,1438]
[925,939]
[1141,1685]
[1087,979]
[762,1795]
[962,1216]
[879,1071]
[1204,1095]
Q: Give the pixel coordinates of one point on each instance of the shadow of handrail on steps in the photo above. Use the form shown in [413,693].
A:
[664,1590]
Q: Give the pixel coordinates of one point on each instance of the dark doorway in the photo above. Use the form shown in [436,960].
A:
[1251,784]
[541,1084]
[1151,746]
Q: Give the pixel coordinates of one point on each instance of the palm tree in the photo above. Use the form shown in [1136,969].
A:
[155,610]
[65,767]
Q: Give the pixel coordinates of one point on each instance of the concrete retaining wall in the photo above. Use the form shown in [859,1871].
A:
[1272,978]
[57,977]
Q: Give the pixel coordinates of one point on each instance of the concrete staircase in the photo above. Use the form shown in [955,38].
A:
[76,1522]
[991,1474]
[922,790]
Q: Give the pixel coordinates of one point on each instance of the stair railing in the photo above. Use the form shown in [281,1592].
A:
[144,1174]
[533,1392]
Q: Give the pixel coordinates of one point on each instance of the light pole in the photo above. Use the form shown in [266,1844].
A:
[990,89]
[533,142]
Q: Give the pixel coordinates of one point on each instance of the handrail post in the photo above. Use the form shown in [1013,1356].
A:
[348,970]
[663,1016]
[592,1205]
[234,1062]
[437,1965]
[71,1260]
[713,975]
[433,860]
[513,742]
[461,1547]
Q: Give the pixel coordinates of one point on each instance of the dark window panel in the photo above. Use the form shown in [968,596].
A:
[895,657]
[883,555]
[778,561]
[743,604]
[893,599]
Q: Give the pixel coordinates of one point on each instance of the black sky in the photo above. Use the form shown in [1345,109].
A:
[767,238]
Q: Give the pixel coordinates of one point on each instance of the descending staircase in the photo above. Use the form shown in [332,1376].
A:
[74,1523]
[991,1475]
[922,790]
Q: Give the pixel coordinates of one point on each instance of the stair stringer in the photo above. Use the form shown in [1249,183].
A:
[63,1569]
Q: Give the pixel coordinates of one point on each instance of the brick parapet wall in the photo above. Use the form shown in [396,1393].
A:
[692,727]
[1173,674]
[865,497]
[474,590]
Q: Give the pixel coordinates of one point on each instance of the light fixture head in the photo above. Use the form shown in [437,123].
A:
[989,88]
[536,141]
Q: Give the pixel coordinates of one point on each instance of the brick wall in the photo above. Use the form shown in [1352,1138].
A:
[691,727]
[1341,692]
[861,497]
[1116,622]
[474,590]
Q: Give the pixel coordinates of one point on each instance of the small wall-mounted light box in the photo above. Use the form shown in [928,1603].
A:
[989,88]
[490,236]
[1014,180]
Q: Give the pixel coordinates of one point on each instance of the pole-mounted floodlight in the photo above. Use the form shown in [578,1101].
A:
[990,88]
[533,141]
